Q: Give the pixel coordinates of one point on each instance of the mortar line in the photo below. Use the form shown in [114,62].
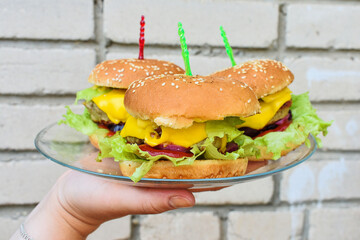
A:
[99,31]
[135,227]
[306,225]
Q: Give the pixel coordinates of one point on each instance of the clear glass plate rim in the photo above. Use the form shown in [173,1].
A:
[206,180]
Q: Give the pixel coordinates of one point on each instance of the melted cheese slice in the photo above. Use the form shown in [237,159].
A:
[269,106]
[112,103]
[185,137]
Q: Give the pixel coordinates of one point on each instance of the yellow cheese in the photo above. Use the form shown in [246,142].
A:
[185,137]
[269,106]
[112,103]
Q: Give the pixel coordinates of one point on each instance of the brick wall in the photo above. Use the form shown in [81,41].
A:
[48,48]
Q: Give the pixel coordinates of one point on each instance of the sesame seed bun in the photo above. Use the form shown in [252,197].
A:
[265,77]
[121,72]
[198,170]
[178,100]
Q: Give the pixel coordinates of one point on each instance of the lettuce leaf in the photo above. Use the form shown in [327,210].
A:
[81,123]
[220,128]
[305,121]
[117,147]
[227,127]
[211,152]
[90,93]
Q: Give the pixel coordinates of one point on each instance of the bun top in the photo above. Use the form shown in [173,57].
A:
[178,100]
[121,72]
[265,77]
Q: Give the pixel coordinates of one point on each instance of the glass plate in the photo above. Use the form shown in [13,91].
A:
[72,149]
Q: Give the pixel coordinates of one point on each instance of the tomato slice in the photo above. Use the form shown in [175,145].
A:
[155,152]
[280,128]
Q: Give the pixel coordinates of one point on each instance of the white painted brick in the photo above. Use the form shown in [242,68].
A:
[115,229]
[201,65]
[323,26]
[334,224]
[265,225]
[321,180]
[26,182]
[9,224]
[180,226]
[19,124]
[254,192]
[326,78]
[201,21]
[44,19]
[344,133]
[44,71]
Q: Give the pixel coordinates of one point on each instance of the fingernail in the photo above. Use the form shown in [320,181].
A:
[180,202]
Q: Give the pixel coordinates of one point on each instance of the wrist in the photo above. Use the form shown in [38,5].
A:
[52,219]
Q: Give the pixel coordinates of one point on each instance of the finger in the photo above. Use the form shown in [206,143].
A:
[128,200]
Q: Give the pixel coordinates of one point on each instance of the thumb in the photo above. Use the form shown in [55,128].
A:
[128,200]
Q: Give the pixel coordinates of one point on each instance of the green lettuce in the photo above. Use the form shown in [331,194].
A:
[91,92]
[117,147]
[227,127]
[220,128]
[82,123]
[211,152]
[305,121]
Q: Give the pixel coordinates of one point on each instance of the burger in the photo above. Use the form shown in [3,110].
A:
[285,120]
[104,112]
[182,127]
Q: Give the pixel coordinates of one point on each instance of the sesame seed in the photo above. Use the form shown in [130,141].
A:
[249,101]
[176,86]
[243,77]
[133,90]
[172,84]
[163,84]
[220,89]
[233,82]
[106,73]
[229,75]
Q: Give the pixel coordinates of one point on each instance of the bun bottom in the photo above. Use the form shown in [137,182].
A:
[264,155]
[94,140]
[165,169]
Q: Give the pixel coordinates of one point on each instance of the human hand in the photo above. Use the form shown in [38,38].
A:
[78,203]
